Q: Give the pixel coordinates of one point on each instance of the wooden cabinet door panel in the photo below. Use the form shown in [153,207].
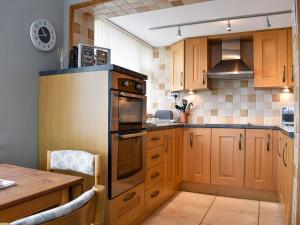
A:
[290,68]
[197,142]
[177,66]
[196,53]
[169,160]
[178,155]
[227,159]
[259,153]
[270,58]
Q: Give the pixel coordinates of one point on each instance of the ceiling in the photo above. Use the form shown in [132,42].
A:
[139,24]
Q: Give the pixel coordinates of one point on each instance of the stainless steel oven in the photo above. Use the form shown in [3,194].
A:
[127,161]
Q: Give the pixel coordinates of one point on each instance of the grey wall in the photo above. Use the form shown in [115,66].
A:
[20,64]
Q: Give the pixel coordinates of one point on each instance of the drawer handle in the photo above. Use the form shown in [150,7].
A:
[129,196]
[154,194]
[155,139]
[155,156]
[191,139]
[166,144]
[155,175]
[283,74]
[204,76]
[240,142]
[283,155]
[181,79]
[268,142]
[292,68]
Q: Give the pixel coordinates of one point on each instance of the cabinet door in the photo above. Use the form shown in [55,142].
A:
[227,159]
[270,58]
[169,160]
[177,66]
[275,146]
[196,52]
[196,160]
[259,159]
[178,155]
[290,59]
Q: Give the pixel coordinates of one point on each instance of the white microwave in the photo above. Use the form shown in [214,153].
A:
[287,116]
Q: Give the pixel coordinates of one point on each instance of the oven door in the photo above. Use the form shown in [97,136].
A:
[128,111]
[127,161]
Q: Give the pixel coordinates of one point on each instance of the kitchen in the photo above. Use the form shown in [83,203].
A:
[193,119]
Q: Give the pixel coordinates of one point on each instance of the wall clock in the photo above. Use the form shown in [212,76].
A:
[42,35]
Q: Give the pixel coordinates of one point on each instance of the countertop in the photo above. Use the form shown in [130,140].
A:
[287,130]
[108,67]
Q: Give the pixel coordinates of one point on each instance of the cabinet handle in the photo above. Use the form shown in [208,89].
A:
[283,154]
[292,72]
[154,194]
[155,175]
[155,139]
[191,139]
[240,142]
[166,143]
[204,77]
[155,156]
[129,196]
[278,148]
[181,79]
[283,74]
[268,142]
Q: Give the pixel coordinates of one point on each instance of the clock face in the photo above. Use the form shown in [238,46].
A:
[43,35]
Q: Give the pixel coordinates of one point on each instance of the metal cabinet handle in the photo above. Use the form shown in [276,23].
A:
[191,139]
[166,144]
[155,138]
[292,67]
[283,74]
[155,175]
[283,155]
[240,142]
[181,79]
[154,194]
[125,136]
[204,77]
[129,196]
[155,156]
[278,148]
[268,142]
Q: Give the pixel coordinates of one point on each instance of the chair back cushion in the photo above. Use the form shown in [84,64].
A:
[58,212]
[75,160]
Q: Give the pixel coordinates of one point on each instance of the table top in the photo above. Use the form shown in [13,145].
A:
[31,183]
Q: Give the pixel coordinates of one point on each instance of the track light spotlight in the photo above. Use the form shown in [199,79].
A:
[268,24]
[228,28]
[179,33]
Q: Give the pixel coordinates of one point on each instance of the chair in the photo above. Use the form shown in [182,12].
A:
[75,160]
[87,209]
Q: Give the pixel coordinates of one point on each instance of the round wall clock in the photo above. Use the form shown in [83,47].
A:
[42,35]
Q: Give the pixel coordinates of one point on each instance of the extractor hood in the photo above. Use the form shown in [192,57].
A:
[231,66]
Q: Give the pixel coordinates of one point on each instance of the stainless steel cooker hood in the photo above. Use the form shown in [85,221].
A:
[231,66]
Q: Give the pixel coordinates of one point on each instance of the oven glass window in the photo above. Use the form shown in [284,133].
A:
[130,159]
[130,113]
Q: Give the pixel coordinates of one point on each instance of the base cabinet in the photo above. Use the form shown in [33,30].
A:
[196,155]
[227,154]
[169,161]
[259,153]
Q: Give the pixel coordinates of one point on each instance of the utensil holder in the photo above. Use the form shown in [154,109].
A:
[184,117]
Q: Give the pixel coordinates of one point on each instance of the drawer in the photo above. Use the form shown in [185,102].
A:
[154,195]
[155,138]
[127,207]
[154,175]
[155,156]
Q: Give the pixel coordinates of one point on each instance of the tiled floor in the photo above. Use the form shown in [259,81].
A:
[194,209]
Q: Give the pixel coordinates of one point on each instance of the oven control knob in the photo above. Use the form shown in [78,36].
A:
[126,83]
[139,86]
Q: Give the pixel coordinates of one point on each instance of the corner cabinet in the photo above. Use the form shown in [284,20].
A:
[271,58]
[189,64]
[228,153]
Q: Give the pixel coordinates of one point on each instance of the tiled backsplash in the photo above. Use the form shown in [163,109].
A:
[227,101]
[83,28]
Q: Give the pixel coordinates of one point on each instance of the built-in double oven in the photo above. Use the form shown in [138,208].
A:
[127,133]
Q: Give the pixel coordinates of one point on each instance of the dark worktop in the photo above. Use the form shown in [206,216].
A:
[109,67]
[231,126]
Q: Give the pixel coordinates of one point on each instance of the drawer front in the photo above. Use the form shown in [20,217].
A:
[155,156]
[155,138]
[154,195]
[128,206]
[154,175]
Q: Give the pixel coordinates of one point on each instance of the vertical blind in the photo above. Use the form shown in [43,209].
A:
[126,51]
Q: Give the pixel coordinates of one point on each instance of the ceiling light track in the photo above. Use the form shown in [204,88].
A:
[223,19]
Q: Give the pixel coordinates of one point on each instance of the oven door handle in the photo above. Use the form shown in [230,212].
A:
[125,136]
[128,95]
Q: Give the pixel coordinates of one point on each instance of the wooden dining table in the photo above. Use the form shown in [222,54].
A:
[35,191]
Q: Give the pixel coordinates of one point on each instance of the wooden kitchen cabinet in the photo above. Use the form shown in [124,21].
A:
[169,161]
[259,154]
[227,157]
[177,66]
[178,155]
[196,155]
[271,58]
[196,63]
[290,59]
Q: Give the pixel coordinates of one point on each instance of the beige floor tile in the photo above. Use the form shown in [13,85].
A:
[270,214]
[231,211]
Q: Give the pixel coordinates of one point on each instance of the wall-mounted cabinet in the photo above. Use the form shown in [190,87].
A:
[177,67]
[290,59]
